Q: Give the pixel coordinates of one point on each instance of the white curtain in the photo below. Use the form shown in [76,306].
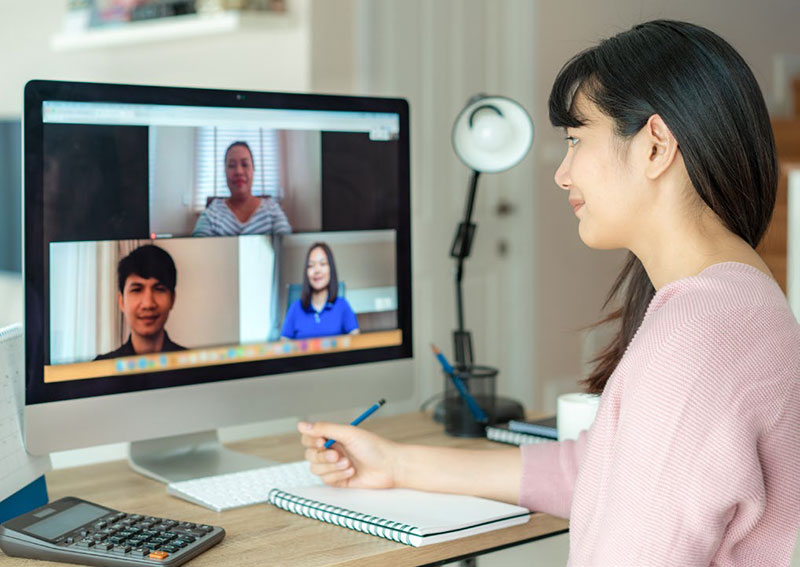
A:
[73,302]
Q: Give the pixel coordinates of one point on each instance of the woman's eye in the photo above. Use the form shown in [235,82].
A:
[571,141]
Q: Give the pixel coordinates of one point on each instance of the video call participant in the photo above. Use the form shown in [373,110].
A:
[147,279]
[242,212]
[319,312]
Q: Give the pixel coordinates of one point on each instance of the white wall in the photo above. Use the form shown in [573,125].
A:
[173,176]
[272,56]
[256,268]
[207,291]
[302,179]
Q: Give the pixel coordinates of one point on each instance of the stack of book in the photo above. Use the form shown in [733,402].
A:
[523,432]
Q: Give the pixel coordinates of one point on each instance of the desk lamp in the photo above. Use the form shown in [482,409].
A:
[491,134]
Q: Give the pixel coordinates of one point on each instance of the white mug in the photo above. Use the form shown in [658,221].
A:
[574,413]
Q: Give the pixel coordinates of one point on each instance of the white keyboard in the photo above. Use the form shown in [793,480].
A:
[245,488]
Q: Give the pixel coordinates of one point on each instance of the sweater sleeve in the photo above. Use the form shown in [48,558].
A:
[685,465]
[549,471]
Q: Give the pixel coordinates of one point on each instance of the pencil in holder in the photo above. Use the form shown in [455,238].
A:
[460,419]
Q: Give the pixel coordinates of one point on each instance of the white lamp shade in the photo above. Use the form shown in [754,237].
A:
[492,133]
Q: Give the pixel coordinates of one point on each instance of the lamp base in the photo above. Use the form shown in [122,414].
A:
[505,409]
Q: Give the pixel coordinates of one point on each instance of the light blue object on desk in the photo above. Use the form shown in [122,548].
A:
[24,500]
[22,484]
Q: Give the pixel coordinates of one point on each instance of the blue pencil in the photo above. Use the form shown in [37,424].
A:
[474,408]
[329,443]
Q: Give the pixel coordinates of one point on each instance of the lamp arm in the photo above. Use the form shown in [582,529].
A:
[462,244]
[473,187]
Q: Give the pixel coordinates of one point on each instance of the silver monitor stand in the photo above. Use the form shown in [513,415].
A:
[184,457]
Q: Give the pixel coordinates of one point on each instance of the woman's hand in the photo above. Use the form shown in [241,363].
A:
[358,459]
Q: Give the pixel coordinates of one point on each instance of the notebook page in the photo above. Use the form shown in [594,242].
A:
[428,511]
[17,467]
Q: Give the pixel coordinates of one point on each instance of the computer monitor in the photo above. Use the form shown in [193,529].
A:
[162,301]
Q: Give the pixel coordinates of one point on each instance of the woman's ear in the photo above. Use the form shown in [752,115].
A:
[662,147]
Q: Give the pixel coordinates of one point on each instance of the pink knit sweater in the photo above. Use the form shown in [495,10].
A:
[694,456]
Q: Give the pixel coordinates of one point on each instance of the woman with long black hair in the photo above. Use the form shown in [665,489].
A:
[694,456]
[320,311]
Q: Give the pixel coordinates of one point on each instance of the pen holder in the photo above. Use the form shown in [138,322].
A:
[480,383]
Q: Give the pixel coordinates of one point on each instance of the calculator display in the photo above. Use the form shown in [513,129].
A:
[66,521]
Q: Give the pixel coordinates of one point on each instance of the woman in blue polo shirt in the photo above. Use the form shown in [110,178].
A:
[319,312]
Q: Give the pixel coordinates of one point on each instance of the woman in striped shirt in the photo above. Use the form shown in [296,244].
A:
[242,212]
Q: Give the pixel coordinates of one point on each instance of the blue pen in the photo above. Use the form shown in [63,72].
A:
[329,443]
[474,408]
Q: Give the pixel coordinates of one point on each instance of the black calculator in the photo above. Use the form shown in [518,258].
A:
[71,530]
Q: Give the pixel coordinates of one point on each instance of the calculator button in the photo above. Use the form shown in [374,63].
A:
[99,537]
[141,551]
[136,517]
[85,543]
[100,525]
[207,528]
[158,555]
[188,525]
[105,546]
[69,540]
[121,549]
[170,549]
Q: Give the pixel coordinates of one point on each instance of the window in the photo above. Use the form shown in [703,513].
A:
[211,145]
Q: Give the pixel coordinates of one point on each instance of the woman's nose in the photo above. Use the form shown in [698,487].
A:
[562,176]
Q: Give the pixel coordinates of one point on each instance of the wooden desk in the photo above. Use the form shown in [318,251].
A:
[264,535]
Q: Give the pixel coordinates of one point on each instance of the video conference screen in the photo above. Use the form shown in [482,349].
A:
[188,237]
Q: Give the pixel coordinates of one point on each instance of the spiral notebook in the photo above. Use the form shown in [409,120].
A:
[502,433]
[407,516]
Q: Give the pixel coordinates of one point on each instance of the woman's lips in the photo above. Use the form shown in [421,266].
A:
[575,204]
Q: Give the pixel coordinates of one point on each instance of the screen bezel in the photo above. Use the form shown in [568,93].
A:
[36,300]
